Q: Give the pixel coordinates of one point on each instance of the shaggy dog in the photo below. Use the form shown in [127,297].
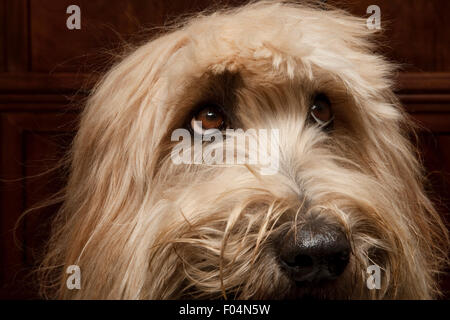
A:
[346,193]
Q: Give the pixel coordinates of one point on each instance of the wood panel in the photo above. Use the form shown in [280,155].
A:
[31,146]
[435,150]
[17,31]
[416,33]
[2,36]
[58,83]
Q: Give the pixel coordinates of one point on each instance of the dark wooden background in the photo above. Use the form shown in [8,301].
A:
[46,71]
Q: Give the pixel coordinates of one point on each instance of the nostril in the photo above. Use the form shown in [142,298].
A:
[303,261]
[299,261]
[337,263]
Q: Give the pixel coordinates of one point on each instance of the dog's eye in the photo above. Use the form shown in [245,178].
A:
[321,110]
[209,117]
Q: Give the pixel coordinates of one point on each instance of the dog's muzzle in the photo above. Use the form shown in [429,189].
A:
[314,253]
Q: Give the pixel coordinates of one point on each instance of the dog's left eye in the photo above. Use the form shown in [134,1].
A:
[207,118]
[321,111]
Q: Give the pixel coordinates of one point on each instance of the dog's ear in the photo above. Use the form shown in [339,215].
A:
[395,162]
[112,162]
[125,112]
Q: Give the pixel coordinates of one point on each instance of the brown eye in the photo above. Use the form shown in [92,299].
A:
[210,117]
[321,110]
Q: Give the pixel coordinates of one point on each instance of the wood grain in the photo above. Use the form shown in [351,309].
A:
[17,35]
[2,35]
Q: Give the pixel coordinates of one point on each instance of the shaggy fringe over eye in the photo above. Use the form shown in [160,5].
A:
[141,227]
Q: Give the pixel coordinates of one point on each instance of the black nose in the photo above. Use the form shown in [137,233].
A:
[315,252]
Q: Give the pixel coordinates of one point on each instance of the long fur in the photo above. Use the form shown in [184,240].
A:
[141,227]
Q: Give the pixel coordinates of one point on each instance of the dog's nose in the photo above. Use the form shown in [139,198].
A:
[316,252]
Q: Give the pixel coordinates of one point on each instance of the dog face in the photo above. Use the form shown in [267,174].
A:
[344,193]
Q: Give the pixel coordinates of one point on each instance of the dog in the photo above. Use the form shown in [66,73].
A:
[344,194]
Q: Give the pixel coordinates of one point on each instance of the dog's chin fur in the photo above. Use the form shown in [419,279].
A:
[141,227]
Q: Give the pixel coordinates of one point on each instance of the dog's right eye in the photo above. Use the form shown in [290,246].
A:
[208,118]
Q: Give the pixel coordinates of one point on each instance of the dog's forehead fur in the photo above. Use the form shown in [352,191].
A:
[276,42]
